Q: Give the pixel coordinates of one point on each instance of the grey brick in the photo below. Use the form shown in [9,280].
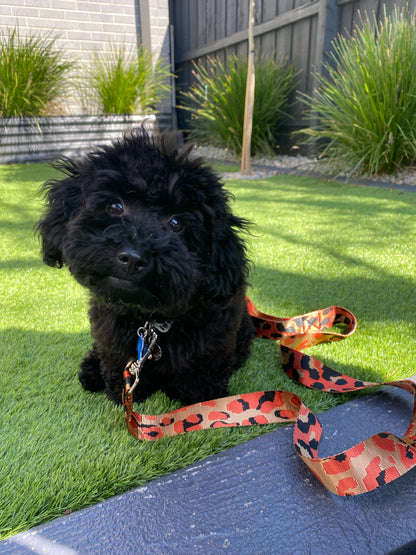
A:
[103,18]
[56,24]
[64,4]
[114,28]
[38,3]
[87,6]
[77,16]
[50,14]
[13,3]
[78,35]
[128,19]
[11,22]
[23,11]
[117,9]
[104,38]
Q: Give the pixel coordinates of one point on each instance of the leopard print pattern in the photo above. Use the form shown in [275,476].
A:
[374,462]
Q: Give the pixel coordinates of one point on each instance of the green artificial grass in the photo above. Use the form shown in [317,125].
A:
[313,244]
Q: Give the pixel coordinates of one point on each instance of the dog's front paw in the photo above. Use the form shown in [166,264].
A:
[90,374]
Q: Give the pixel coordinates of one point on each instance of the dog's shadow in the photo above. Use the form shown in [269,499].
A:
[40,369]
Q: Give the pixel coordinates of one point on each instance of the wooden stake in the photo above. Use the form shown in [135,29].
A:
[249,101]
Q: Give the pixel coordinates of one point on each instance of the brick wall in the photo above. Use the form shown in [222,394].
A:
[85,26]
[159,25]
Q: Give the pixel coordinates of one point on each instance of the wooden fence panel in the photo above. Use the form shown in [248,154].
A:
[284,6]
[242,15]
[201,22]
[266,43]
[302,50]
[350,10]
[210,22]
[269,11]
[284,41]
[346,17]
[300,30]
[300,3]
[192,19]
[231,17]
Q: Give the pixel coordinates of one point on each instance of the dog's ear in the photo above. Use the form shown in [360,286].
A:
[63,200]
[228,264]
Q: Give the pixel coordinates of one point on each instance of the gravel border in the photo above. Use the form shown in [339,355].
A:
[265,166]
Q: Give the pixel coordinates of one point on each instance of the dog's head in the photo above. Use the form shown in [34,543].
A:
[143,223]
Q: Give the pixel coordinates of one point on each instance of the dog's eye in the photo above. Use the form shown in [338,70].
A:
[175,224]
[115,207]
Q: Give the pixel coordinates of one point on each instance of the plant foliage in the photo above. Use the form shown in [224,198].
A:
[32,74]
[123,81]
[216,101]
[366,102]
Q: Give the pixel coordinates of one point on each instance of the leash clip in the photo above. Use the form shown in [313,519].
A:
[147,349]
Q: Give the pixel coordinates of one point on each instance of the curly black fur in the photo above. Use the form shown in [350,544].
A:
[149,231]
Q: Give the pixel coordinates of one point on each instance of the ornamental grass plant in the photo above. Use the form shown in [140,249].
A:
[366,100]
[33,74]
[123,81]
[313,244]
[217,97]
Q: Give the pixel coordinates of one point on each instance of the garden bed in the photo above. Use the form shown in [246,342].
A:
[44,138]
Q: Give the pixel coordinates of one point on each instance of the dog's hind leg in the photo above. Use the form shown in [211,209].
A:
[90,374]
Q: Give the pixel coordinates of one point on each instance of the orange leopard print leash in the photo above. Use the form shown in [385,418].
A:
[378,460]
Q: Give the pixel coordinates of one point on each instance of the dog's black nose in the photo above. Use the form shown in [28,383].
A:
[132,260]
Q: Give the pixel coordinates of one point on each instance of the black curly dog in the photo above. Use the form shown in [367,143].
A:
[149,231]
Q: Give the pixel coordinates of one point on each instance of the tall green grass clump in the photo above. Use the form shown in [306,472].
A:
[32,74]
[123,81]
[217,97]
[366,102]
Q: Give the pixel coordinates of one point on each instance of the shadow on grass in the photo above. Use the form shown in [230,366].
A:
[40,171]
[41,357]
[18,216]
[319,197]
[380,297]
[21,264]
